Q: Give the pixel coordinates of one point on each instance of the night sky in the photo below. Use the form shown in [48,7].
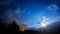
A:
[30,12]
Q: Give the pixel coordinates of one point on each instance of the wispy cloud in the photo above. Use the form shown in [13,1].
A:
[53,7]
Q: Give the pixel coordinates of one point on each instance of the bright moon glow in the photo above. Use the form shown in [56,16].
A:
[44,22]
[43,25]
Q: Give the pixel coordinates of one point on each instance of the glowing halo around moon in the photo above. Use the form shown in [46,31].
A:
[43,24]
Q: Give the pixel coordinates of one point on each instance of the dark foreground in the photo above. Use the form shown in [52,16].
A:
[13,28]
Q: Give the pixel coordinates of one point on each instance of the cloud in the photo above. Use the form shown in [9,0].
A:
[44,18]
[53,7]
[58,17]
[44,22]
[9,10]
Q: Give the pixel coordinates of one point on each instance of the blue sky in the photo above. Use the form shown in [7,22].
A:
[30,12]
[35,12]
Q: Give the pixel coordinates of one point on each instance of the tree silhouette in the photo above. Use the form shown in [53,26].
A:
[13,27]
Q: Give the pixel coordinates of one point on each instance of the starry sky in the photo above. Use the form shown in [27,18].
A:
[30,12]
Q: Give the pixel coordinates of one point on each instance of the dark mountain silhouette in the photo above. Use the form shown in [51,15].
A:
[54,28]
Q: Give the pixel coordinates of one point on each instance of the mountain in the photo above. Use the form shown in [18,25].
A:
[54,27]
